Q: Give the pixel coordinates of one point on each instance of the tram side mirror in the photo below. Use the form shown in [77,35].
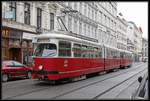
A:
[140,79]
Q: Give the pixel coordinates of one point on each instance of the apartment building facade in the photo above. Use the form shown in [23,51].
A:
[20,22]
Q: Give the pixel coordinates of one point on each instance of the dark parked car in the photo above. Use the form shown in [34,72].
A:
[13,69]
[142,90]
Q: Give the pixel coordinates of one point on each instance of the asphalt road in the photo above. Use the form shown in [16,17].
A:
[114,85]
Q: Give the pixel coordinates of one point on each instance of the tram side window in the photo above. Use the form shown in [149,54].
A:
[84,51]
[77,50]
[127,55]
[109,53]
[99,52]
[96,52]
[121,54]
[124,55]
[118,54]
[114,54]
[90,52]
[64,48]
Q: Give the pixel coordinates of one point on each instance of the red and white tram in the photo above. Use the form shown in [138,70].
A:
[60,56]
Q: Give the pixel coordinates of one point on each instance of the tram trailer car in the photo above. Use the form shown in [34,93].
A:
[60,56]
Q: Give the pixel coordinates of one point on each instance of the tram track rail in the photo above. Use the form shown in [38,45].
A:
[127,87]
[91,84]
[21,82]
[118,84]
[44,88]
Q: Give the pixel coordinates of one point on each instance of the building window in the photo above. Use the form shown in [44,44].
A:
[84,29]
[70,23]
[95,15]
[75,6]
[80,7]
[92,31]
[88,30]
[100,17]
[75,25]
[85,9]
[70,4]
[105,19]
[89,11]
[27,14]
[13,9]
[51,21]
[95,33]
[39,17]
[80,28]
[108,22]
[92,14]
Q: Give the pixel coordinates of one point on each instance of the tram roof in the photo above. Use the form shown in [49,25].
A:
[121,50]
[111,47]
[65,36]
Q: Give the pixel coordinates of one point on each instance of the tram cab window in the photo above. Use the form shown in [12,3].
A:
[64,48]
[45,50]
[77,50]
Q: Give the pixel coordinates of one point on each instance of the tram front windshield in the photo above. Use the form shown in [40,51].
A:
[45,50]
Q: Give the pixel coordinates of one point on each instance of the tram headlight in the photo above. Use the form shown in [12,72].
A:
[40,67]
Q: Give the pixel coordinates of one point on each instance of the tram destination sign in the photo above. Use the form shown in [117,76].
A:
[43,40]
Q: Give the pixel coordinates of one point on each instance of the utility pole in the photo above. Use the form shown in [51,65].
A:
[63,13]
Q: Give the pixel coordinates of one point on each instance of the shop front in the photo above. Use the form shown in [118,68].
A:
[15,46]
[27,48]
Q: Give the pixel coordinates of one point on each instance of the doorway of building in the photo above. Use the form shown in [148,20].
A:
[15,54]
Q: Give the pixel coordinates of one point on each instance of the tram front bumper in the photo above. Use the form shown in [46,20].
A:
[44,75]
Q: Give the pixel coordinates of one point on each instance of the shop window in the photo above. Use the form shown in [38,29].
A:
[30,45]
[64,48]
[14,43]
[24,44]
[24,55]
[30,58]
[5,54]
[4,42]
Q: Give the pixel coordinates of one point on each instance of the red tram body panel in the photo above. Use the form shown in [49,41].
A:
[112,63]
[59,68]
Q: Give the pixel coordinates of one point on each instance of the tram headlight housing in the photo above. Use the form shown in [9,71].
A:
[40,67]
